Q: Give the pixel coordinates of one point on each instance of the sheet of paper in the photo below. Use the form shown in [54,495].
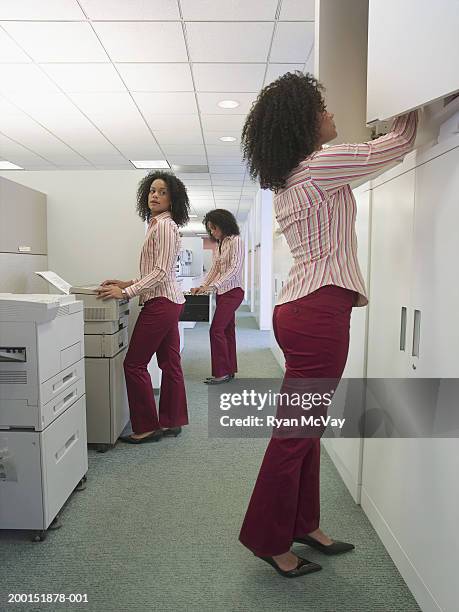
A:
[56,281]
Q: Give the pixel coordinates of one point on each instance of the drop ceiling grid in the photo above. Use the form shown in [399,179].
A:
[208,50]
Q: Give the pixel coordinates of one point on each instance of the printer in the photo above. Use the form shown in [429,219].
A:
[43,447]
[106,341]
[105,345]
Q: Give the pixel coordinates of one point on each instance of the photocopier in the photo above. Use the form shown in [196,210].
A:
[106,341]
[105,344]
[43,447]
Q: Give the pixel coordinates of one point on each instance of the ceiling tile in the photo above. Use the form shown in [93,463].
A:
[215,123]
[227,169]
[10,51]
[229,42]
[175,124]
[177,137]
[225,77]
[45,10]
[184,149]
[143,41]
[132,10]
[24,78]
[236,10]
[15,124]
[228,180]
[213,138]
[183,160]
[292,42]
[232,150]
[202,177]
[56,113]
[276,70]
[157,103]
[208,102]
[19,155]
[85,78]
[229,175]
[116,115]
[298,10]
[156,77]
[57,42]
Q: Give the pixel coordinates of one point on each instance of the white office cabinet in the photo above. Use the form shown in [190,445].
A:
[410,495]
[391,273]
[409,486]
[435,293]
[340,64]
[346,452]
[413,54]
[22,219]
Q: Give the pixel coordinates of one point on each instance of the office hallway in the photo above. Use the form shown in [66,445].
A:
[157,526]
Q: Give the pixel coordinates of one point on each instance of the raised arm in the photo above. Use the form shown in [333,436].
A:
[335,166]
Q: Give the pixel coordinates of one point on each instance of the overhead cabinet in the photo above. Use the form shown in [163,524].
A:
[413,54]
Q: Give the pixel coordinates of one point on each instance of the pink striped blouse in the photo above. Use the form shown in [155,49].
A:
[316,211]
[226,270]
[157,262]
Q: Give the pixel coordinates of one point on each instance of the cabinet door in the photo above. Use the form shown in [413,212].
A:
[390,276]
[436,253]
[413,54]
[22,219]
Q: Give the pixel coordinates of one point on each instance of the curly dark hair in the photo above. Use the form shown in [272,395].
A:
[180,204]
[222,219]
[282,128]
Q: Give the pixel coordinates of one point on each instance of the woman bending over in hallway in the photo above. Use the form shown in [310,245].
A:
[225,278]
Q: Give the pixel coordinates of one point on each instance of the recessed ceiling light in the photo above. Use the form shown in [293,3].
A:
[193,216]
[227,138]
[6,165]
[150,163]
[228,104]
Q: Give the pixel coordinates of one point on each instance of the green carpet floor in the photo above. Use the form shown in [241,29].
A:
[157,527]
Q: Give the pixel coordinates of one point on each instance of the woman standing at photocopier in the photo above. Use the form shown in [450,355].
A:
[224,277]
[162,200]
[315,208]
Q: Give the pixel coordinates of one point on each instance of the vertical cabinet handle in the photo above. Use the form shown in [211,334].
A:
[403,329]
[416,333]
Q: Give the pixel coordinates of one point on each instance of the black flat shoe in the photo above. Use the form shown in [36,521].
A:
[172,431]
[214,381]
[304,567]
[230,375]
[337,548]
[153,437]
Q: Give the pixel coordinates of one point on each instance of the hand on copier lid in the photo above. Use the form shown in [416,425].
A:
[107,292]
[119,283]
